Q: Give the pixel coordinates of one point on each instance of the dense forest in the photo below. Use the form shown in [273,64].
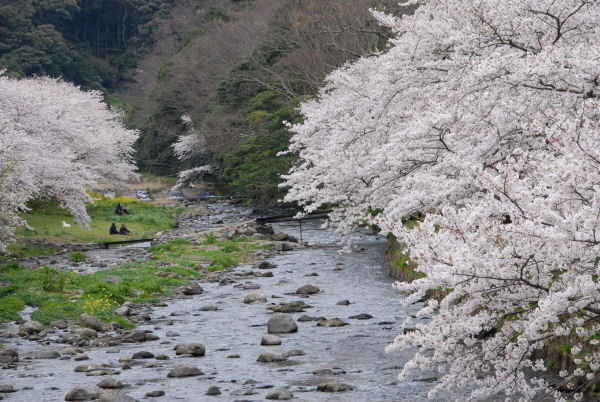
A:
[238,68]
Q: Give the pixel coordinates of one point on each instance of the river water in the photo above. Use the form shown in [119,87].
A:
[354,353]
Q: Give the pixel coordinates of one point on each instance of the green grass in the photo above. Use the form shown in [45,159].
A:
[45,220]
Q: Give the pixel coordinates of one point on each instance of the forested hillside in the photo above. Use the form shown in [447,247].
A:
[238,68]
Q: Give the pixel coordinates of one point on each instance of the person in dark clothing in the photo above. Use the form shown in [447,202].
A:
[119,209]
[125,210]
[124,231]
[113,229]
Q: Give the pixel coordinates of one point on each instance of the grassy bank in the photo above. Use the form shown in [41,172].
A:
[64,295]
[46,224]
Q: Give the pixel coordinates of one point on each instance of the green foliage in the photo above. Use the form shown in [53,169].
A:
[210,239]
[51,280]
[265,100]
[10,307]
[77,256]
[256,117]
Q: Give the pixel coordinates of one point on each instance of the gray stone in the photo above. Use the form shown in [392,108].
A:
[305,317]
[87,333]
[172,334]
[116,325]
[94,323]
[344,302]
[192,289]
[48,354]
[7,389]
[362,316]
[123,311]
[113,279]
[208,308]
[82,394]
[80,356]
[31,327]
[233,356]
[334,322]
[334,387]
[60,324]
[266,265]
[295,352]
[142,355]
[194,349]
[184,371]
[179,313]
[254,298]
[213,390]
[111,395]
[284,246]
[271,358]
[281,323]
[155,394]
[110,383]
[265,229]
[279,236]
[280,394]
[307,290]
[162,357]
[10,354]
[270,340]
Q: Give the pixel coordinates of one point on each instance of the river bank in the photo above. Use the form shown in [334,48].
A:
[354,305]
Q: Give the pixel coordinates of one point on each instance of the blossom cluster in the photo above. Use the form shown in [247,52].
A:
[485,116]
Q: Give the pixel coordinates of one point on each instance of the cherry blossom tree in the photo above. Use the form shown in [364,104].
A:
[484,115]
[57,141]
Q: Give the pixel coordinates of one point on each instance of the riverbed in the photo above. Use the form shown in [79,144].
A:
[351,283]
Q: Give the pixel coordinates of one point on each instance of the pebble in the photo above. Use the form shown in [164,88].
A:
[254,298]
[233,356]
[270,340]
[344,302]
[270,358]
[307,290]
[194,349]
[48,354]
[334,387]
[110,383]
[280,394]
[155,394]
[208,308]
[80,356]
[111,395]
[7,389]
[362,316]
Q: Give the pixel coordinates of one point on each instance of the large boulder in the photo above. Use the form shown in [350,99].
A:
[194,349]
[31,327]
[192,289]
[94,323]
[9,356]
[281,323]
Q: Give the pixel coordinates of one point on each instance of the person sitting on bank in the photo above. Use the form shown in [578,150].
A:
[124,231]
[113,229]
[119,209]
[125,210]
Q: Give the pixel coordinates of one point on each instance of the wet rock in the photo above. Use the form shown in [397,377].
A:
[60,324]
[304,318]
[194,349]
[94,323]
[294,352]
[184,371]
[334,387]
[80,356]
[142,355]
[344,302]
[226,281]
[155,394]
[279,236]
[111,395]
[323,372]
[292,307]
[142,336]
[7,389]
[31,327]
[280,394]
[281,323]
[254,298]
[307,290]
[82,394]
[179,313]
[113,279]
[192,289]
[116,325]
[9,356]
[213,390]
[250,286]
[284,246]
[270,340]
[162,357]
[266,265]
[233,356]
[334,322]
[48,354]
[123,311]
[362,316]
[110,383]
[87,333]
[271,358]
[172,334]
[264,229]
[208,308]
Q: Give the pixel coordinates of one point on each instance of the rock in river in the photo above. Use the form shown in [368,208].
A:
[362,316]
[281,323]
[270,358]
[192,289]
[111,395]
[142,355]
[334,387]
[110,383]
[48,354]
[155,394]
[334,322]
[31,327]
[254,298]
[184,371]
[270,340]
[307,290]
[194,349]
[82,394]
[213,390]
[280,394]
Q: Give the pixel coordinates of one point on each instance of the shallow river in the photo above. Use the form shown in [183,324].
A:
[354,353]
